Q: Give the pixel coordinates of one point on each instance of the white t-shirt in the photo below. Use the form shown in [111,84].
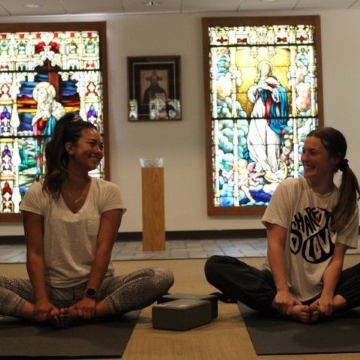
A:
[310,242]
[70,239]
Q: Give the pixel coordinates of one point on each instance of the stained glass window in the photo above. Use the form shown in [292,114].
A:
[44,73]
[263,96]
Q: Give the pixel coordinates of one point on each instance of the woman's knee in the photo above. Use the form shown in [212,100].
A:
[212,265]
[4,280]
[165,276]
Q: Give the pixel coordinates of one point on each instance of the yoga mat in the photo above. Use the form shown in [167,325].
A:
[275,335]
[101,339]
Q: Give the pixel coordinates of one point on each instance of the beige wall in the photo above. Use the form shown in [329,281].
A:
[183,143]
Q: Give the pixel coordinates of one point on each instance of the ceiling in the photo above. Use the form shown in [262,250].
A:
[9,8]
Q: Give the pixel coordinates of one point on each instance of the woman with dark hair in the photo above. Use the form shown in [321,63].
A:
[71,221]
[310,224]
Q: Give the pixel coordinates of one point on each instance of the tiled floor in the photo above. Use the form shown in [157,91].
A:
[175,249]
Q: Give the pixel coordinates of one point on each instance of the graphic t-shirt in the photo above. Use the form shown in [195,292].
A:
[310,242]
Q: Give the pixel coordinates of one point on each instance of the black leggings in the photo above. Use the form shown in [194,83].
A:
[256,288]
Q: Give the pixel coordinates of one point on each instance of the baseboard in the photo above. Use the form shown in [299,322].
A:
[199,234]
[170,235]
[12,239]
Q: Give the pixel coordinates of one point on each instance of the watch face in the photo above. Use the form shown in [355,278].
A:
[90,292]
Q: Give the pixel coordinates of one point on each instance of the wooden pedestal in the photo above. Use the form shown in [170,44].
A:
[153,209]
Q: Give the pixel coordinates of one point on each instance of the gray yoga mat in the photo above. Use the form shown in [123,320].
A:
[101,339]
[274,335]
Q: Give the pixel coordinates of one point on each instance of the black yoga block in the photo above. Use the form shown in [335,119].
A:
[212,298]
[182,314]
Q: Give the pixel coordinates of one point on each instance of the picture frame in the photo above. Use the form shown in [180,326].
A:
[154,92]
[47,69]
[263,95]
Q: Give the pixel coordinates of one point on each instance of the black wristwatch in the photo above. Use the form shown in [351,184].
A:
[90,293]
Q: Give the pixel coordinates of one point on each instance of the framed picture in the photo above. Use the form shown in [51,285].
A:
[263,95]
[154,88]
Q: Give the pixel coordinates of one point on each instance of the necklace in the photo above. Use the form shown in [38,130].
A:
[80,197]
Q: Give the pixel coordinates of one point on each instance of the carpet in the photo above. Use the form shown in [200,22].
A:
[274,335]
[102,339]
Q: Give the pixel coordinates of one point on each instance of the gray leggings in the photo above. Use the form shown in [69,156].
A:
[123,293]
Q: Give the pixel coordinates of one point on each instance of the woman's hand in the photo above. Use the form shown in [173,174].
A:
[44,311]
[325,305]
[284,301]
[85,308]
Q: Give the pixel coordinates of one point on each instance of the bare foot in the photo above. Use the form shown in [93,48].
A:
[301,313]
[339,302]
[54,318]
[67,317]
[314,313]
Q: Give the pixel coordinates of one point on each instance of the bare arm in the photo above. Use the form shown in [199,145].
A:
[35,264]
[109,226]
[330,278]
[276,239]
